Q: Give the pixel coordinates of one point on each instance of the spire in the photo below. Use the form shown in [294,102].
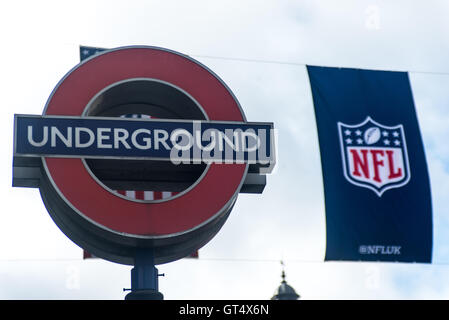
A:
[283,272]
[285,291]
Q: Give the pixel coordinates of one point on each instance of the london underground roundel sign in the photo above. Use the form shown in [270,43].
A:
[195,140]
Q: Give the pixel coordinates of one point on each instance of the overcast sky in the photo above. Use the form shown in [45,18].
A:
[40,43]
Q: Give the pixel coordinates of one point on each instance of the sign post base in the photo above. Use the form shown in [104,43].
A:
[144,278]
[144,295]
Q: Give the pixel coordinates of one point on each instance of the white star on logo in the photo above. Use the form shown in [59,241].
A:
[396,142]
[358,132]
[395,134]
[385,133]
[347,132]
[359,141]
[348,141]
[387,142]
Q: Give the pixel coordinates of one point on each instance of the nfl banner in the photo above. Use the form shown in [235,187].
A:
[376,184]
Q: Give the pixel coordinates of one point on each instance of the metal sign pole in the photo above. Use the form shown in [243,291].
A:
[144,277]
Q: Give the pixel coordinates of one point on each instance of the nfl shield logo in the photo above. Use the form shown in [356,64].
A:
[374,156]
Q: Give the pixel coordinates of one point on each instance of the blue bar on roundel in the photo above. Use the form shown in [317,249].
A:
[175,140]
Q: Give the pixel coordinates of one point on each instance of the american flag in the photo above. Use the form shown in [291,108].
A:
[86,52]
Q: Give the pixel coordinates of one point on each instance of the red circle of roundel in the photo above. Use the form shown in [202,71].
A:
[91,200]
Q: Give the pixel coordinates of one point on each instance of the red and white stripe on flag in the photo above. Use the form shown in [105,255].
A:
[146,195]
